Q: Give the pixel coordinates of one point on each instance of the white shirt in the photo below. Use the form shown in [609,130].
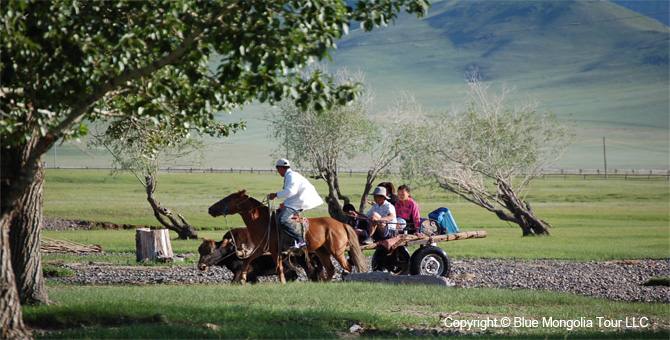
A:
[300,194]
[384,210]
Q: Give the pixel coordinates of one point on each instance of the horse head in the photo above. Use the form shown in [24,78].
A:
[228,205]
[212,252]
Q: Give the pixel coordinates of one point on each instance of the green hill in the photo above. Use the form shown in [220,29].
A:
[595,62]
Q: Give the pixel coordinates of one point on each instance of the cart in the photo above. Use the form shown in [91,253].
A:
[393,256]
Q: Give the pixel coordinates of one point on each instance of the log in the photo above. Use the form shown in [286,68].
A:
[153,245]
[411,240]
[382,277]
[49,245]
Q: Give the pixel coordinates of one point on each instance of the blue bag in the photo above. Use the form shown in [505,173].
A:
[445,220]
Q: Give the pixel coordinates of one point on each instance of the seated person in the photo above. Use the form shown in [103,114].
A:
[382,218]
[408,211]
[390,193]
[360,225]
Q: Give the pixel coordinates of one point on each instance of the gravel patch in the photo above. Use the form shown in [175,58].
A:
[620,280]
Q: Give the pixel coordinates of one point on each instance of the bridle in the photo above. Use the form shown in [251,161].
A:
[224,211]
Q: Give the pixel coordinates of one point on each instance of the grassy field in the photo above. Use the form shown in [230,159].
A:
[593,219]
[326,310]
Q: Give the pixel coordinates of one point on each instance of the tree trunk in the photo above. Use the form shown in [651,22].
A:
[368,186]
[153,245]
[336,183]
[24,236]
[523,214]
[184,229]
[11,317]
[333,201]
[20,167]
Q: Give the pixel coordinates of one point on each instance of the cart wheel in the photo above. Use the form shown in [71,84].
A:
[430,227]
[431,260]
[378,259]
[397,262]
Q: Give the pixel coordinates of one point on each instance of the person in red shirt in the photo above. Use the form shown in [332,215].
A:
[408,210]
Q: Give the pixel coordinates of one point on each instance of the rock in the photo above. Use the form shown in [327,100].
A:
[397,279]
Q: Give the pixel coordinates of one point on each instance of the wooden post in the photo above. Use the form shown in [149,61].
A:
[153,245]
[605,156]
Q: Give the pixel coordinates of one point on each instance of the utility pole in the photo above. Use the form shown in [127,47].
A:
[605,156]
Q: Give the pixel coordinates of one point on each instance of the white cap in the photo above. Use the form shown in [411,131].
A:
[283,162]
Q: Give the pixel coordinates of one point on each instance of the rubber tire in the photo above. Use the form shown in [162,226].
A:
[377,262]
[381,257]
[430,260]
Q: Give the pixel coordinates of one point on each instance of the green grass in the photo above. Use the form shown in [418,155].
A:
[302,310]
[593,219]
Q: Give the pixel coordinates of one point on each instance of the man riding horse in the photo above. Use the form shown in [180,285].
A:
[299,195]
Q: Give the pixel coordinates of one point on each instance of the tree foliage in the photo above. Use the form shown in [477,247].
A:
[66,62]
[325,141]
[142,149]
[398,132]
[158,59]
[491,151]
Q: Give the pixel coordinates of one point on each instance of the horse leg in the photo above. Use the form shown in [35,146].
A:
[280,268]
[245,265]
[335,245]
[324,257]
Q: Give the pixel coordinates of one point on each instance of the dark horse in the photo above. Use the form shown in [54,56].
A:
[235,245]
[326,236]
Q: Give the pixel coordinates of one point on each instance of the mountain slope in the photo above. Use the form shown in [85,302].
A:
[595,62]
[656,9]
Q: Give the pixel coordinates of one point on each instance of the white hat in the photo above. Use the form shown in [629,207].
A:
[283,162]
[379,191]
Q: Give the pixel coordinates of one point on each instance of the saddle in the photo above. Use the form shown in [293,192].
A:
[300,224]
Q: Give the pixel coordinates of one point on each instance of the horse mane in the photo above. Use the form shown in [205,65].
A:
[255,201]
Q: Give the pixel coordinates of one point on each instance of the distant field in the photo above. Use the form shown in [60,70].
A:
[595,219]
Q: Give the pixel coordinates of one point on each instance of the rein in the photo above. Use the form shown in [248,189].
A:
[232,235]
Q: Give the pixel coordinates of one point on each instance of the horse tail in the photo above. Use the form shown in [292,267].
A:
[355,252]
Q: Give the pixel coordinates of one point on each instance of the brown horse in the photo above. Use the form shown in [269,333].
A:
[326,236]
[236,243]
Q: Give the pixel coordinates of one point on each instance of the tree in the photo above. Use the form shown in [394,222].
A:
[324,140]
[66,62]
[141,148]
[489,153]
[398,132]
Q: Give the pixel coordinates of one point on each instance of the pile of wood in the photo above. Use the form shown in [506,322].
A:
[49,245]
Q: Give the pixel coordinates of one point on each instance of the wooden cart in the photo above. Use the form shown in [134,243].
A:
[392,255]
